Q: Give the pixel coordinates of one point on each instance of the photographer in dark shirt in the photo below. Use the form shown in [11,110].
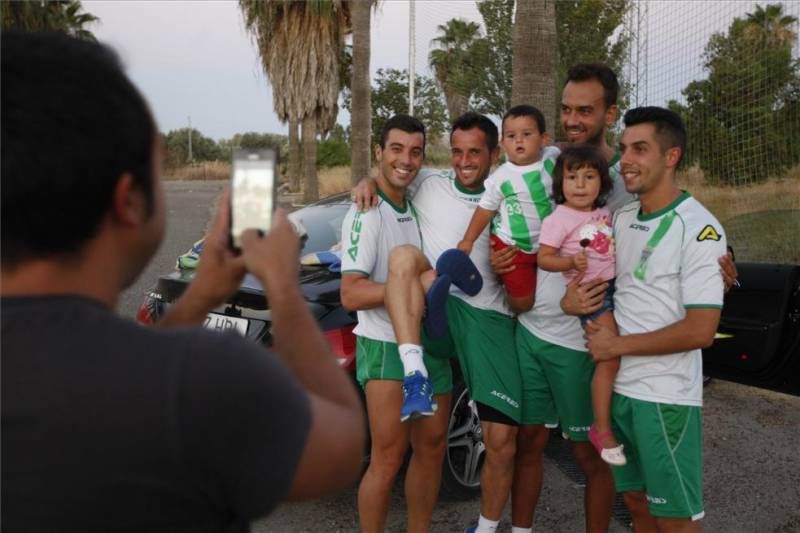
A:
[110,425]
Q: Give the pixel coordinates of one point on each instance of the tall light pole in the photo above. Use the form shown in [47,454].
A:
[411,50]
[190,138]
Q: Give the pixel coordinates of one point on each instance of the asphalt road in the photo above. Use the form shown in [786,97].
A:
[752,438]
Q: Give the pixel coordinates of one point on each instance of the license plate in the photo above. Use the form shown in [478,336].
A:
[224,323]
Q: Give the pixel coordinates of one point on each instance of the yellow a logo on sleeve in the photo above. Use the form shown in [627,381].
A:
[708,233]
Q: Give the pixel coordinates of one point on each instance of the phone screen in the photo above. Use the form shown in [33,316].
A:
[252,192]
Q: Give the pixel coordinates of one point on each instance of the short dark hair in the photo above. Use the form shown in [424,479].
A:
[405,123]
[525,110]
[470,120]
[578,156]
[600,72]
[73,124]
[670,131]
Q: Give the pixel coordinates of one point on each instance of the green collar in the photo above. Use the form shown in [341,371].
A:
[655,214]
[461,188]
[397,208]
[615,159]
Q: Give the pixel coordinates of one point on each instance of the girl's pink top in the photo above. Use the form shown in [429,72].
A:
[565,228]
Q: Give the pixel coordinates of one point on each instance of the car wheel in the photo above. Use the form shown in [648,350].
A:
[461,470]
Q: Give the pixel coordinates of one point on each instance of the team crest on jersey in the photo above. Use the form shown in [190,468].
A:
[708,234]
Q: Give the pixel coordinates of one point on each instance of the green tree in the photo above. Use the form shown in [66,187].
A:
[742,121]
[586,31]
[492,52]
[301,46]
[177,148]
[65,16]
[390,97]
[452,60]
[334,149]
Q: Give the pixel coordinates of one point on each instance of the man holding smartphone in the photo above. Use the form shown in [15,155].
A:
[111,425]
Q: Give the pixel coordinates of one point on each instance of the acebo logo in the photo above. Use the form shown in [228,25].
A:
[504,397]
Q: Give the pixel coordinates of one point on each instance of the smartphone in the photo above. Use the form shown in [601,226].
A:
[253,191]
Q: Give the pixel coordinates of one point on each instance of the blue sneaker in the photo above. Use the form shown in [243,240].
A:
[417,397]
[435,318]
[462,271]
[471,529]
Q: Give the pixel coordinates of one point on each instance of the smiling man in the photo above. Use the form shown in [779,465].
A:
[368,239]
[667,305]
[480,329]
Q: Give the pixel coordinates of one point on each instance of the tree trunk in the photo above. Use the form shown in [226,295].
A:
[535,57]
[361,107]
[295,165]
[310,185]
[457,104]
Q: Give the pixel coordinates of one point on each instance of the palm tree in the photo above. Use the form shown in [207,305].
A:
[360,89]
[452,63]
[770,27]
[65,16]
[300,44]
[535,57]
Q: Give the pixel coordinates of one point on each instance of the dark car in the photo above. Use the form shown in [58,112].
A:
[758,342]
[248,312]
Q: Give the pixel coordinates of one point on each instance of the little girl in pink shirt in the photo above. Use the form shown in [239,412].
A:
[576,239]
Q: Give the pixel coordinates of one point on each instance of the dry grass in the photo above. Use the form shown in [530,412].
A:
[333,180]
[727,202]
[204,171]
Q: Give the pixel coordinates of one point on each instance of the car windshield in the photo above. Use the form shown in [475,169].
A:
[323,224]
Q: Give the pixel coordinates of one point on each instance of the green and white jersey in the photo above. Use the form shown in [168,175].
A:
[367,239]
[666,264]
[546,320]
[521,197]
[445,210]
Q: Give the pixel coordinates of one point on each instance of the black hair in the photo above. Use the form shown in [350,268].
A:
[73,124]
[525,110]
[470,120]
[670,131]
[405,123]
[576,157]
[600,72]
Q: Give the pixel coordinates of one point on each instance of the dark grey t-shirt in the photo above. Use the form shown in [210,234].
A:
[109,425]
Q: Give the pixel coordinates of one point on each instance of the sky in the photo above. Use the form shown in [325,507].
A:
[194,60]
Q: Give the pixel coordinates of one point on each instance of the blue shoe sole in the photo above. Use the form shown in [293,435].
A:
[435,319]
[462,271]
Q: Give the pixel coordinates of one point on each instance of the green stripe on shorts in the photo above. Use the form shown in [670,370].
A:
[381,360]
[664,446]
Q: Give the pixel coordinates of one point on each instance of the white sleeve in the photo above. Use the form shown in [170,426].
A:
[422,176]
[360,237]
[701,280]
[492,196]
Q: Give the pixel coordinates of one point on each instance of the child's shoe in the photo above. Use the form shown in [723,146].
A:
[613,456]
[462,271]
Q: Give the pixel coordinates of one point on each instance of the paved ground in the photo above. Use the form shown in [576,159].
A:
[752,460]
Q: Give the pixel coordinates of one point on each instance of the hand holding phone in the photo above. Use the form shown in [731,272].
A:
[253,192]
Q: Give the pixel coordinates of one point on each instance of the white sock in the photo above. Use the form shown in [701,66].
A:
[486,526]
[515,529]
[411,356]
